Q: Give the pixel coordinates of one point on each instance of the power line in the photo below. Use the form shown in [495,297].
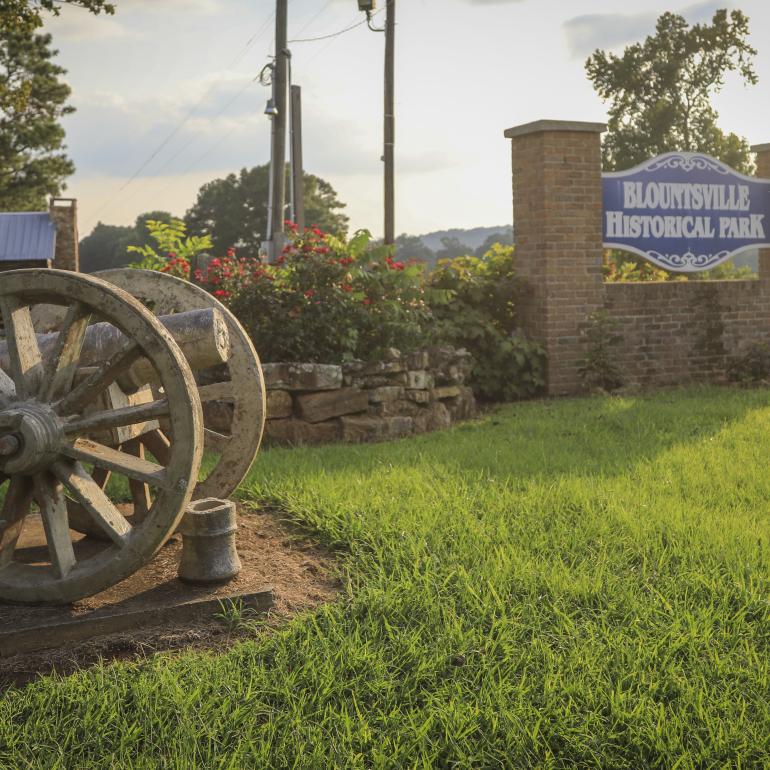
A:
[246,47]
[305,26]
[326,37]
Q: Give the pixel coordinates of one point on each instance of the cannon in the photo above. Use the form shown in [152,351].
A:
[97,393]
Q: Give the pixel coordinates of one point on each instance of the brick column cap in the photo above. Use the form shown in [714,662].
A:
[760,147]
[540,126]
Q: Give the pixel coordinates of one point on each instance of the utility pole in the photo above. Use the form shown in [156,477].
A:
[297,179]
[278,154]
[389,127]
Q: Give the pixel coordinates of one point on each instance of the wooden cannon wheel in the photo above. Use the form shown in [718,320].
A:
[47,459]
[243,384]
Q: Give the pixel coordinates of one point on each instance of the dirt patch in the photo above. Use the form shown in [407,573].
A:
[273,553]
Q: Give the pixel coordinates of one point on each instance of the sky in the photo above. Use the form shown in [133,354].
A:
[167,97]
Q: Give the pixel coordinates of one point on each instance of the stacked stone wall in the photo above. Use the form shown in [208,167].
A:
[401,395]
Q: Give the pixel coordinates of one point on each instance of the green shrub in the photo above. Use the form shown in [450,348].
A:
[598,369]
[474,306]
[329,301]
[753,366]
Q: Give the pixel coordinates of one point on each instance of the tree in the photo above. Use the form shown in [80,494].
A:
[452,247]
[233,210]
[412,247]
[107,245]
[504,239]
[660,90]
[25,14]
[32,102]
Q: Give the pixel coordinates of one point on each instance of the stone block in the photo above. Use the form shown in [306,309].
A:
[361,429]
[463,406]
[391,354]
[317,407]
[383,367]
[379,380]
[445,391]
[435,416]
[386,393]
[418,360]
[452,374]
[418,396]
[292,432]
[298,376]
[419,380]
[440,356]
[400,408]
[279,404]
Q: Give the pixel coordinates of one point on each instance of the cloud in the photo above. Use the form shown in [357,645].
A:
[588,32]
[78,26]
[220,124]
[170,6]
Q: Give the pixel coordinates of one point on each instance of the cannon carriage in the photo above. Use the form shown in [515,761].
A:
[102,429]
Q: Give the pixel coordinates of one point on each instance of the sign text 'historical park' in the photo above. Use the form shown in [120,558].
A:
[685,211]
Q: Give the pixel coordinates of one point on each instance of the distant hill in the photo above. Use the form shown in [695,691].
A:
[472,238]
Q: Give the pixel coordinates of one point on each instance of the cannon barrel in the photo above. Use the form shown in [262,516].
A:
[202,336]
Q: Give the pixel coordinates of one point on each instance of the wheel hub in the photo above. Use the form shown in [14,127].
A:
[30,437]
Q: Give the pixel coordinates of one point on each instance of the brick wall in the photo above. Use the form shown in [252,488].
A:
[676,333]
[672,332]
[557,204]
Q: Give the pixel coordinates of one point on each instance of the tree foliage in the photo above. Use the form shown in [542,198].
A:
[660,90]
[107,245]
[26,14]
[412,247]
[233,210]
[32,102]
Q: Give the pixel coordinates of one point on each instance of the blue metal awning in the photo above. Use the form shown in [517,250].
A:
[26,236]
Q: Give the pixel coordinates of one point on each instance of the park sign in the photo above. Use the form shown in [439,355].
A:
[685,211]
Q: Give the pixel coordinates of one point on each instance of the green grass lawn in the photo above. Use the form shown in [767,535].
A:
[569,584]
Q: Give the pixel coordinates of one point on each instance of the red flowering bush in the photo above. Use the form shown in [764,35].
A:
[327,300]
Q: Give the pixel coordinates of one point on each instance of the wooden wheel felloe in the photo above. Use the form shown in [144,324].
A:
[242,384]
[49,456]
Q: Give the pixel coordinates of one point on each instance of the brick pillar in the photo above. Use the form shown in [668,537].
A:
[64,213]
[763,172]
[557,217]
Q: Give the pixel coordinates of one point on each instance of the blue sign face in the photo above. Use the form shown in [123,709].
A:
[685,211]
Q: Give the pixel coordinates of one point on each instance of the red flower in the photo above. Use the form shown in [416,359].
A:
[366,301]
[221,293]
[346,287]
[231,252]
[309,293]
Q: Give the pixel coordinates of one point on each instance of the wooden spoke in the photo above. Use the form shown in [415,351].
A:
[140,492]
[218,391]
[99,380]
[49,494]
[116,461]
[60,370]
[217,442]
[7,388]
[93,499]
[115,418]
[18,496]
[23,351]
[158,445]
